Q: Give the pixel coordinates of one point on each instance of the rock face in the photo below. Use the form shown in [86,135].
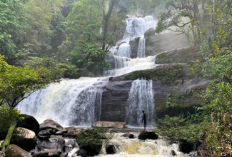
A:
[115,97]
[15,151]
[134,44]
[108,124]
[181,90]
[29,122]
[157,43]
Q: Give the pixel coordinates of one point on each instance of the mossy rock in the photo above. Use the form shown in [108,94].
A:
[167,74]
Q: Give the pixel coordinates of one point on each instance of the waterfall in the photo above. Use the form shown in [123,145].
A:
[124,50]
[141,98]
[77,102]
[126,65]
[121,53]
[70,102]
[141,48]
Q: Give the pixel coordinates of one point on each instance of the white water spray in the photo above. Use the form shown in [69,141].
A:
[141,98]
[70,102]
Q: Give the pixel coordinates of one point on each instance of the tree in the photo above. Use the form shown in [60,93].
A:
[106,18]
[13,25]
[17,83]
[39,15]
[90,57]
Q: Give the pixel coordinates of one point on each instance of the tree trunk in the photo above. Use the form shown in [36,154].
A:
[213,21]
[8,136]
[106,20]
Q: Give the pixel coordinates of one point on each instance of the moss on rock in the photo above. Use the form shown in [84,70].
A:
[167,74]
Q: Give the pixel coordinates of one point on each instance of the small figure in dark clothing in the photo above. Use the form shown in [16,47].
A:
[144,120]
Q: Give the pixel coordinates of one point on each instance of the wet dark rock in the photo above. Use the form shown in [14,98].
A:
[48,153]
[128,135]
[173,153]
[110,149]
[51,143]
[44,134]
[186,147]
[50,124]
[134,45]
[61,132]
[15,151]
[115,97]
[29,122]
[91,150]
[82,153]
[148,135]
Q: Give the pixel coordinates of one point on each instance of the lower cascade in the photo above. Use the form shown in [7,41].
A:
[69,102]
[141,98]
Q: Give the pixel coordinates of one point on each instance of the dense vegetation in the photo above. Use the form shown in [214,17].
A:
[65,35]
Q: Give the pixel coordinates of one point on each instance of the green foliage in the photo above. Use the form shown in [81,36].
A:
[179,128]
[16,82]
[8,116]
[58,69]
[93,138]
[89,56]
[12,26]
[167,75]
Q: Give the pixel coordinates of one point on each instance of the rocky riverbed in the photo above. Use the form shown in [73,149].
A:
[50,139]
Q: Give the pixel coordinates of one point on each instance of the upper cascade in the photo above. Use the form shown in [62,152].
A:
[121,59]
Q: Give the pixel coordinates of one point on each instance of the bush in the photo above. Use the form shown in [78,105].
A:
[180,128]
[92,140]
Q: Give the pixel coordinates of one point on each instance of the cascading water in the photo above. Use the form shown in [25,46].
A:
[141,49]
[136,27]
[149,148]
[70,102]
[141,98]
[78,102]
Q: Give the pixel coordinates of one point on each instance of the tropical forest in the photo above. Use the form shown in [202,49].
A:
[115,78]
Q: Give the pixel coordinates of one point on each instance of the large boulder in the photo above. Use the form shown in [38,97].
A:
[48,153]
[148,135]
[57,143]
[15,151]
[29,122]
[108,124]
[24,138]
[50,124]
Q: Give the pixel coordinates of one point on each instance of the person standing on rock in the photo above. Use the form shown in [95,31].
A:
[144,120]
